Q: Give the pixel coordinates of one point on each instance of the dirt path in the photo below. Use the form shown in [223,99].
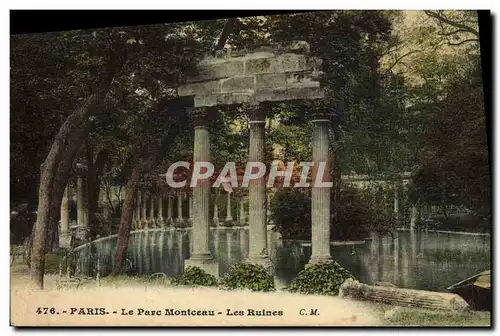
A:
[288,309]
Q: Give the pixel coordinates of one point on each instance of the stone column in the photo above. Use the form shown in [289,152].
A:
[190,209]
[169,210]
[138,210]
[179,208]
[396,205]
[258,253]
[320,217]
[229,216]
[160,210]
[82,218]
[64,234]
[201,256]
[242,212]
[144,211]
[152,212]
[414,217]
[216,210]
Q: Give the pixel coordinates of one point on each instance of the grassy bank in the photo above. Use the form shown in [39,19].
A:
[409,317]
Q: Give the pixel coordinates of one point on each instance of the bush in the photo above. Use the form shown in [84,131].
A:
[195,276]
[291,213]
[248,276]
[356,214]
[324,279]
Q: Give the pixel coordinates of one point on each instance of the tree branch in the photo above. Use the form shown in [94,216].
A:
[444,19]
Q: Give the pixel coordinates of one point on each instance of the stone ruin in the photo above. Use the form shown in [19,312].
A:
[267,74]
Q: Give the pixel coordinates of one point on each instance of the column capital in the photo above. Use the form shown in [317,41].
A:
[256,112]
[321,109]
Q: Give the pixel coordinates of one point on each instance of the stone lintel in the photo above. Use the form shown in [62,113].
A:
[268,95]
[253,64]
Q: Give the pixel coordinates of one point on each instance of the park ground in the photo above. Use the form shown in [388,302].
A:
[142,292]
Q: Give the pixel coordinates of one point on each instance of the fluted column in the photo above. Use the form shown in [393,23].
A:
[216,210]
[81,203]
[320,230]
[414,217]
[169,210]
[179,208]
[396,205]
[145,211]
[160,210]
[138,210]
[257,194]
[152,212]
[191,209]
[229,216]
[64,234]
[201,256]
[242,211]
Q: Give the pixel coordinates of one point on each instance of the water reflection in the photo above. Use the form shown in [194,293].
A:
[431,261]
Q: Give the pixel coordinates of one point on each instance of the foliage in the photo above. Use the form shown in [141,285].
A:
[322,279]
[368,209]
[195,276]
[291,213]
[248,276]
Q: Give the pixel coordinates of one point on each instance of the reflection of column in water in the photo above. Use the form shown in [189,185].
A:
[423,240]
[396,270]
[413,247]
[170,251]
[161,244]
[153,249]
[229,238]
[216,235]
[134,251]
[146,256]
[180,256]
[406,261]
[372,257]
[244,243]
[138,248]
[381,259]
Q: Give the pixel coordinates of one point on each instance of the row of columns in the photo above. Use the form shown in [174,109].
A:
[83,227]
[258,210]
[143,219]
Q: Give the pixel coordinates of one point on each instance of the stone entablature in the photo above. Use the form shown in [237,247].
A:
[268,74]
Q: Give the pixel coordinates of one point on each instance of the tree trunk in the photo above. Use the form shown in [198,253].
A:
[126,222]
[94,173]
[54,174]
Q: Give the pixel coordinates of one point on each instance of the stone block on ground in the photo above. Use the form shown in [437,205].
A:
[403,296]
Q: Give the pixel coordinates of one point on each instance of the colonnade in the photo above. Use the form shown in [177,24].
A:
[157,210]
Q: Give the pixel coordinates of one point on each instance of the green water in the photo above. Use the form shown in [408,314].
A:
[431,261]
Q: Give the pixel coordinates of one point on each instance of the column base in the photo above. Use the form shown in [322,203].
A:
[319,260]
[64,241]
[262,261]
[206,262]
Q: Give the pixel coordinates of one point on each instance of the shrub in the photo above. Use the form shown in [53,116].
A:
[195,276]
[291,213]
[353,217]
[324,279]
[248,276]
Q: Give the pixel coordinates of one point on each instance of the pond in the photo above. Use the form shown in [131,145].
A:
[429,261]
